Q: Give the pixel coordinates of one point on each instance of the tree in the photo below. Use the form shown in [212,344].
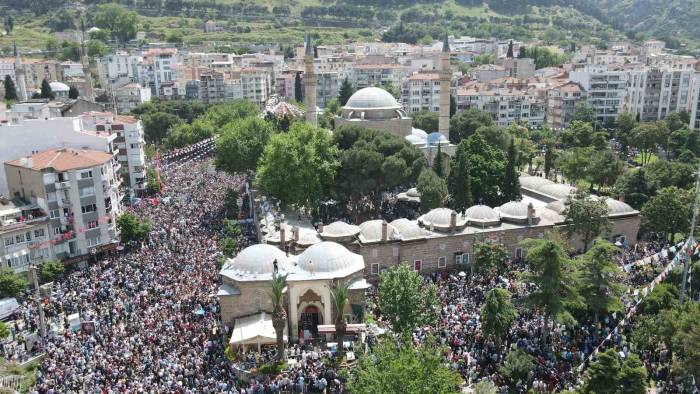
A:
[596,279]
[550,275]
[131,228]
[579,134]
[156,126]
[222,114]
[497,314]
[121,23]
[490,256]
[241,144]
[46,92]
[668,212]
[486,166]
[485,387]
[517,366]
[626,123]
[405,303]
[228,246]
[604,168]
[96,48]
[432,189]
[425,120]
[459,179]
[339,298]
[73,93]
[509,54]
[586,217]
[453,106]
[633,375]
[279,314]
[298,88]
[50,270]
[9,24]
[11,284]
[602,376]
[465,123]
[346,90]
[511,183]
[304,156]
[397,368]
[10,89]
[632,186]
[4,330]
[584,113]
[647,137]
[438,163]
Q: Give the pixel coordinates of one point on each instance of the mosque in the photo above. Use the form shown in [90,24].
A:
[441,239]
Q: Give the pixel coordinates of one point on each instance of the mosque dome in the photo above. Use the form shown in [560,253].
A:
[59,87]
[339,229]
[557,206]
[436,138]
[513,210]
[557,190]
[440,219]
[409,229]
[330,258]
[619,208]
[371,231]
[482,215]
[258,259]
[372,98]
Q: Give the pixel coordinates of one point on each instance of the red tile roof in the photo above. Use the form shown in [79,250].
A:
[64,159]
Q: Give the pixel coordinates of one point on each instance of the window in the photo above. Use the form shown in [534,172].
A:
[60,248]
[9,241]
[93,241]
[465,258]
[57,230]
[89,208]
[417,265]
[86,174]
[28,236]
[442,262]
[87,191]
[51,196]
[395,251]
[375,253]
[19,238]
[374,269]
[518,253]
[54,214]
[39,233]
[92,224]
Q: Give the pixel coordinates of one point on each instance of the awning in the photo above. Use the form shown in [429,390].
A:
[252,330]
[349,329]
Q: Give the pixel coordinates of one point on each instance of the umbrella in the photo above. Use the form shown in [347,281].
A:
[462,273]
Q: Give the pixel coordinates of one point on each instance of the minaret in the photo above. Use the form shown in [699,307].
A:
[20,78]
[89,93]
[309,82]
[445,80]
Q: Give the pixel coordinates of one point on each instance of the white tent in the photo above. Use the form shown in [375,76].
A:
[254,330]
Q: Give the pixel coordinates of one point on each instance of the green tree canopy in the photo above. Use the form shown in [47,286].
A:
[586,217]
[425,120]
[669,212]
[511,182]
[596,279]
[602,377]
[304,156]
[346,90]
[497,313]
[517,366]
[490,256]
[633,375]
[156,126]
[241,144]
[10,89]
[50,270]
[604,168]
[132,228]
[486,167]
[432,189]
[459,179]
[121,23]
[46,92]
[405,303]
[11,284]
[465,123]
[222,114]
[647,137]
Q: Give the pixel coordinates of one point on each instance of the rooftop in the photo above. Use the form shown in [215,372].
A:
[62,159]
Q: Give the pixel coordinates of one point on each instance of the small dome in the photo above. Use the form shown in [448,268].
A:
[420,133]
[409,229]
[482,215]
[415,140]
[371,231]
[330,258]
[533,182]
[513,210]
[340,230]
[258,259]
[436,138]
[557,190]
[617,208]
[411,195]
[307,237]
[557,206]
[440,219]
[59,87]
[372,98]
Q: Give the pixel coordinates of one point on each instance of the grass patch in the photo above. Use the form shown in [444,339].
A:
[26,373]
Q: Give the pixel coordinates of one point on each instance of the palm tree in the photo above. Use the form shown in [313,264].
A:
[339,297]
[279,314]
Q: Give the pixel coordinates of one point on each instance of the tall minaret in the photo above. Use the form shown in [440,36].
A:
[89,92]
[309,82]
[20,77]
[445,80]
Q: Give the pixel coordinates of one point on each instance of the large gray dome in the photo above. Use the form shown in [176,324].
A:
[372,98]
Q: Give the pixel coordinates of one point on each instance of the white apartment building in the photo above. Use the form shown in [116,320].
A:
[653,93]
[381,75]
[256,85]
[506,105]
[327,87]
[24,234]
[695,104]
[606,88]
[117,67]
[130,96]
[211,88]
[489,72]
[7,67]
[421,91]
[79,189]
[561,104]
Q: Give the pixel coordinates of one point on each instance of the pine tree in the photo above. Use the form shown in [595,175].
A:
[522,53]
[73,92]
[453,106]
[602,376]
[509,55]
[298,89]
[511,185]
[346,90]
[46,92]
[438,165]
[459,179]
[548,160]
[10,89]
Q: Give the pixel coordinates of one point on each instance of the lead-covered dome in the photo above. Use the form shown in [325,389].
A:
[256,262]
[409,229]
[330,260]
[619,208]
[339,230]
[371,231]
[372,98]
[441,219]
[57,87]
[515,211]
[482,215]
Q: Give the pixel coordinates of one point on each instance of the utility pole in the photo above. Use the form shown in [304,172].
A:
[691,237]
[37,299]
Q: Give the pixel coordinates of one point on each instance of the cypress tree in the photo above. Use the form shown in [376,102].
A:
[10,89]
[459,180]
[73,92]
[46,91]
[438,165]
[298,90]
[522,53]
[509,55]
[346,90]
[511,185]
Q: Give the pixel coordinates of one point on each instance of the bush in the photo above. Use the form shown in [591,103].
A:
[50,270]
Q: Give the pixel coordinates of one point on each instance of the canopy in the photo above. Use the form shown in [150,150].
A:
[254,330]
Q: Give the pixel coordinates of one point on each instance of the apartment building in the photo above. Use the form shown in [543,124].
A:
[381,75]
[521,68]
[653,93]
[130,96]
[256,85]
[506,105]
[489,72]
[327,87]
[24,234]
[80,191]
[118,67]
[421,91]
[606,87]
[561,104]
[695,104]
[36,70]
[211,88]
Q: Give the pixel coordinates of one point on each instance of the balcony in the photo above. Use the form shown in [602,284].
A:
[63,185]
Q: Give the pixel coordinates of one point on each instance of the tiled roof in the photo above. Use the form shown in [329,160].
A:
[64,159]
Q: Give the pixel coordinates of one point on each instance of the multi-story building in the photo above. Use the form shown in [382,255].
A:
[561,104]
[695,104]
[653,93]
[211,88]
[118,67]
[256,85]
[284,85]
[521,68]
[80,191]
[327,87]
[24,234]
[421,91]
[129,143]
[506,105]
[380,75]
[606,87]
[36,70]
[7,67]
[489,72]
[131,96]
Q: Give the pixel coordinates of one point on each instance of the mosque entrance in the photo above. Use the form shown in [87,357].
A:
[308,322]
